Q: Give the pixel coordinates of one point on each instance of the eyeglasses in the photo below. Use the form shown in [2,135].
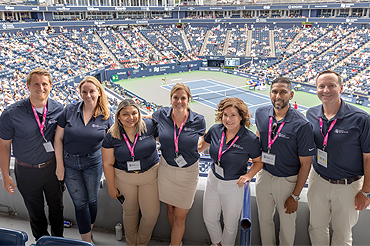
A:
[273,130]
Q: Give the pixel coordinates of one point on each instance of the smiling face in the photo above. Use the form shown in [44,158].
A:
[89,94]
[280,95]
[231,118]
[39,88]
[129,117]
[329,89]
[180,101]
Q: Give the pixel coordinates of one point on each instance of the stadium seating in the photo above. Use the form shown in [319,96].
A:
[56,241]
[10,237]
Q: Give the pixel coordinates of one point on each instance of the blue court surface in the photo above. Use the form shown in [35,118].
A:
[210,92]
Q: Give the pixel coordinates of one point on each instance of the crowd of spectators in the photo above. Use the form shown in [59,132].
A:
[69,53]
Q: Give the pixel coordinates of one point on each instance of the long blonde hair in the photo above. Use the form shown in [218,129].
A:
[140,126]
[102,105]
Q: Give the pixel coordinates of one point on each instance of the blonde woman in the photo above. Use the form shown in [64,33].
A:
[78,139]
[130,160]
[179,129]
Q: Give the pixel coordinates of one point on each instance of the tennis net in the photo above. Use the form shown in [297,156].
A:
[233,92]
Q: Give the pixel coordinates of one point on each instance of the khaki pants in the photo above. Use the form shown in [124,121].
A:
[335,202]
[141,195]
[271,193]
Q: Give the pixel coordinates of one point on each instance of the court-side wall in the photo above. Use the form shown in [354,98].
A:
[110,213]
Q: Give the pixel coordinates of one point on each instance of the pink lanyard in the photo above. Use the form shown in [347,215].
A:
[131,149]
[272,141]
[41,125]
[220,152]
[325,143]
[176,139]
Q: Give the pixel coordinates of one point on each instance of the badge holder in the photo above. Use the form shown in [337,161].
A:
[48,147]
[180,161]
[219,170]
[322,157]
[268,158]
[133,165]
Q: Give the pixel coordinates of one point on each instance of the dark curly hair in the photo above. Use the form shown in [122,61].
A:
[239,105]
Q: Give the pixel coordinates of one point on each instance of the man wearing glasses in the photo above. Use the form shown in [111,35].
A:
[287,149]
[339,183]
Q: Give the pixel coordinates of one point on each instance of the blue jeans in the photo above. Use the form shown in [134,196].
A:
[82,177]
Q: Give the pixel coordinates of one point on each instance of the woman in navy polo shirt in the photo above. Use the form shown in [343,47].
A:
[130,160]
[78,138]
[231,145]
[179,130]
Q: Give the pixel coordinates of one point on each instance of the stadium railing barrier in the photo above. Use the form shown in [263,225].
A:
[245,221]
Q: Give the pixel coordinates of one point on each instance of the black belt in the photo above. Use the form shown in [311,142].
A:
[41,165]
[342,181]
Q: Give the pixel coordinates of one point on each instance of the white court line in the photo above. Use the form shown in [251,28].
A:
[254,105]
[176,79]
[246,90]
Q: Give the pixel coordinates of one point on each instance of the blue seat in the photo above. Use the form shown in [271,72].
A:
[56,241]
[12,237]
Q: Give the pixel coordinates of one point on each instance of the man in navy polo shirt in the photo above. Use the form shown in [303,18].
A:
[339,183]
[29,125]
[287,150]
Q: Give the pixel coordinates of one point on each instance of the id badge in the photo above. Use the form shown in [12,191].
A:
[133,166]
[48,147]
[322,158]
[219,170]
[268,158]
[180,161]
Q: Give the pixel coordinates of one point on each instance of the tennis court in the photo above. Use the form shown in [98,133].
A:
[152,89]
[210,92]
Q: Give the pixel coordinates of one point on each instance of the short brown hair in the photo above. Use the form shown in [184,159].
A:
[328,72]
[102,105]
[39,71]
[239,105]
[181,86]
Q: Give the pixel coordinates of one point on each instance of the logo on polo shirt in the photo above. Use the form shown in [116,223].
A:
[52,122]
[143,137]
[94,125]
[237,146]
[339,131]
[188,129]
[282,135]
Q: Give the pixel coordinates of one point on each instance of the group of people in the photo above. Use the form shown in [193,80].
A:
[53,145]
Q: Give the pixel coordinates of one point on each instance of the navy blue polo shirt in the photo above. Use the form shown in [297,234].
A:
[347,141]
[78,138]
[145,149]
[194,127]
[295,140]
[235,160]
[19,124]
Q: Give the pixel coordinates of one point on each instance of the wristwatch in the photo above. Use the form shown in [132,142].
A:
[296,198]
[365,194]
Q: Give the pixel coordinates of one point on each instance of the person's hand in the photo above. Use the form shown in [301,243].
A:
[242,180]
[290,205]
[361,201]
[113,193]
[60,172]
[9,185]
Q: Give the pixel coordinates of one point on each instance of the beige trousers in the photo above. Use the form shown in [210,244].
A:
[141,195]
[271,194]
[335,202]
